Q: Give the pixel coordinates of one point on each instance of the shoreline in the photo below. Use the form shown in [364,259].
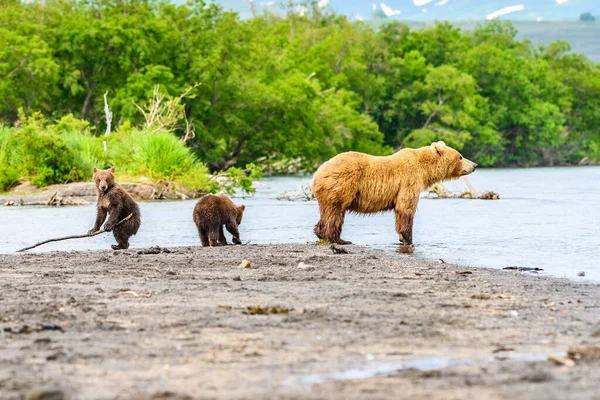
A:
[302,322]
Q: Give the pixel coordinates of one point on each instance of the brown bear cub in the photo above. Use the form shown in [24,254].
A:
[118,204]
[211,213]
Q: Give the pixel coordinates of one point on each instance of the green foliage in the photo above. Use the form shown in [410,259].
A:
[159,155]
[242,178]
[9,173]
[67,151]
[283,89]
[37,154]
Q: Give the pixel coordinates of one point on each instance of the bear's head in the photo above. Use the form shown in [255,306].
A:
[450,162]
[104,178]
[240,213]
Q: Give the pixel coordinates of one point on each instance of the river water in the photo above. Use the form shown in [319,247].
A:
[546,217]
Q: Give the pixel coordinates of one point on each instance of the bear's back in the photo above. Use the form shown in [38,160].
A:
[214,210]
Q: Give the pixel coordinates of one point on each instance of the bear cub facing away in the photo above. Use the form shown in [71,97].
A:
[211,213]
[118,204]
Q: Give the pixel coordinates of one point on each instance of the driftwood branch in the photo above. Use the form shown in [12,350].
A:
[474,192]
[127,218]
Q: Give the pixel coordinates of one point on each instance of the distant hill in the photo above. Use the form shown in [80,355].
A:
[558,20]
[583,37]
[429,10]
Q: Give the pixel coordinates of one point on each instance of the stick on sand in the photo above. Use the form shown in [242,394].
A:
[127,218]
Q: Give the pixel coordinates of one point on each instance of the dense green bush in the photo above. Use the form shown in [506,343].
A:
[38,154]
[67,152]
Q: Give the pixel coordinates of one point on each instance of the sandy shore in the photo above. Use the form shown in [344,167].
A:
[367,324]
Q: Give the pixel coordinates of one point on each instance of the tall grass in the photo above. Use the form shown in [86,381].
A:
[88,150]
[59,154]
[9,175]
[158,155]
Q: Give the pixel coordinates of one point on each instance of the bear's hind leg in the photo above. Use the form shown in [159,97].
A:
[213,236]
[222,238]
[122,238]
[232,227]
[319,229]
[332,219]
[203,237]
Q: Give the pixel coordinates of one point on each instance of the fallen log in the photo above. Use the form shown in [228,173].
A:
[303,193]
[439,191]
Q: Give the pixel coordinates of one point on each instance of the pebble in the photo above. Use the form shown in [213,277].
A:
[245,264]
[46,394]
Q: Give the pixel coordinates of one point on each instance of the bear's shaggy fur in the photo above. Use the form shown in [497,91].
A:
[118,204]
[366,184]
[211,213]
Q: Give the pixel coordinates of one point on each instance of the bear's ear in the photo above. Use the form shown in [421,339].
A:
[95,169]
[111,170]
[242,208]
[437,147]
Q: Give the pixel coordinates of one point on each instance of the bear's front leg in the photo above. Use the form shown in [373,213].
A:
[232,227]
[404,226]
[113,218]
[100,218]
[405,212]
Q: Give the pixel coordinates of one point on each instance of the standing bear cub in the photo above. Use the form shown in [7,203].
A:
[211,213]
[367,184]
[118,204]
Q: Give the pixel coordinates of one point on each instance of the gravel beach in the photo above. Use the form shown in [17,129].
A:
[302,321]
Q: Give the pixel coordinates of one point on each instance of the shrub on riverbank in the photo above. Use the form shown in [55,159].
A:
[68,151]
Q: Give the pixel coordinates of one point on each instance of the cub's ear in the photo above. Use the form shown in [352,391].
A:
[95,169]
[242,208]
[438,147]
[111,170]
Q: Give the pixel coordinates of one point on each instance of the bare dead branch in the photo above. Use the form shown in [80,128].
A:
[127,218]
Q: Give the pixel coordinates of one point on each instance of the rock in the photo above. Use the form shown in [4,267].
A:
[338,250]
[153,250]
[582,273]
[46,394]
[578,352]
[522,269]
[513,313]
[258,310]
[245,264]
[304,266]
[166,395]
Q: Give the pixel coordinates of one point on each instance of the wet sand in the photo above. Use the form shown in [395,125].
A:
[368,324]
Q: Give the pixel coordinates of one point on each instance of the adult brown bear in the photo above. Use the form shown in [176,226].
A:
[367,184]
